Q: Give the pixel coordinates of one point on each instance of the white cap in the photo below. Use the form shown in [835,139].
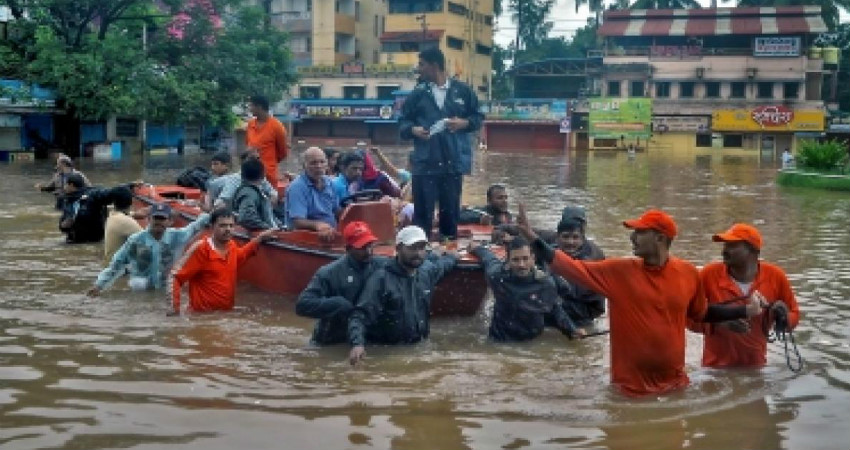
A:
[410,235]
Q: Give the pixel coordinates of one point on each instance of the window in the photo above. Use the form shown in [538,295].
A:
[765,90]
[310,92]
[309,5]
[482,49]
[454,43]
[383,24]
[309,44]
[126,127]
[790,91]
[733,140]
[460,10]
[686,89]
[739,90]
[488,20]
[353,92]
[613,88]
[703,140]
[662,89]
[415,6]
[712,89]
[377,32]
[637,89]
[336,45]
[386,92]
[357,11]
[376,58]
[336,6]
[406,46]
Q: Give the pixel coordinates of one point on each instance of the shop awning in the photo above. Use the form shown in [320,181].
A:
[713,21]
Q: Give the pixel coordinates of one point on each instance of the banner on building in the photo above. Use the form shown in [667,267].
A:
[776,46]
[540,110]
[688,124]
[615,118]
[302,111]
[767,118]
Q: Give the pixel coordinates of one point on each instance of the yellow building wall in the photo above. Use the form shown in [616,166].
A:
[369,42]
[324,19]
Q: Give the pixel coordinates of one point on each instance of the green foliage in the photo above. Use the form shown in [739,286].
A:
[813,180]
[530,18]
[829,156]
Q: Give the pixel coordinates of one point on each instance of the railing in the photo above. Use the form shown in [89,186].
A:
[686,52]
[356,70]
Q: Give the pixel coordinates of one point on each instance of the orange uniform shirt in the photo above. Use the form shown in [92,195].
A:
[270,139]
[211,275]
[725,348]
[648,311]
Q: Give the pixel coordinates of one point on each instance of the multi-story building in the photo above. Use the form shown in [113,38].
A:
[462,29]
[720,77]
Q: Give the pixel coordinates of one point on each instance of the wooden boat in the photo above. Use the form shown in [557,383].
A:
[286,265]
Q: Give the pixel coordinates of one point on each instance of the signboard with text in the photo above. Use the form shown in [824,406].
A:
[341,111]
[690,124]
[767,118]
[613,118]
[776,46]
[549,110]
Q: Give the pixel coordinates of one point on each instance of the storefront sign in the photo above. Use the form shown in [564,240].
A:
[776,46]
[616,117]
[767,118]
[353,67]
[548,110]
[666,124]
[342,111]
[565,125]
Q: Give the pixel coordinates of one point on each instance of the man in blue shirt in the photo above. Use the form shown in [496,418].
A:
[311,203]
[350,177]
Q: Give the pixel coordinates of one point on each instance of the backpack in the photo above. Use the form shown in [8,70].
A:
[195,177]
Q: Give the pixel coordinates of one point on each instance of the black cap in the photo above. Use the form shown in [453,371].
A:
[572,217]
[161,210]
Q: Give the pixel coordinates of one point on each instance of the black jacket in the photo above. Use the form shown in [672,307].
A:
[84,214]
[441,154]
[523,306]
[253,208]
[331,295]
[395,307]
[582,304]
[473,216]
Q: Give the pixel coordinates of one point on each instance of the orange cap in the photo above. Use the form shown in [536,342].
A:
[740,232]
[358,235]
[654,219]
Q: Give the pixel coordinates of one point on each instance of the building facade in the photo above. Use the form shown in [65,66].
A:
[735,78]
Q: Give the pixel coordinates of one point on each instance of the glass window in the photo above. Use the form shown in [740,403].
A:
[614,88]
[637,89]
[791,90]
[765,90]
[386,92]
[127,127]
[353,92]
[482,49]
[712,89]
[662,89]
[739,90]
[310,92]
[703,140]
[686,89]
[454,43]
[733,140]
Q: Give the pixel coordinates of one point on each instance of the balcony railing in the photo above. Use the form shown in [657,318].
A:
[356,70]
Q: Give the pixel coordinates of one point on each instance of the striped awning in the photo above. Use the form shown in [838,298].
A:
[713,21]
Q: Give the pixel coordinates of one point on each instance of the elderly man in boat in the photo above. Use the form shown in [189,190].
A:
[311,203]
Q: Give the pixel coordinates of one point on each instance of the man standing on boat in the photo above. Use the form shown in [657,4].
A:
[650,298]
[395,305]
[149,254]
[311,203]
[333,291]
[268,136]
[743,343]
[437,115]
[210,266]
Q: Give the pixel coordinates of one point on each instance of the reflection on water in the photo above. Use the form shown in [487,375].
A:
[114,372]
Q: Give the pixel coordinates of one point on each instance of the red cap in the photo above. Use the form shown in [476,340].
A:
[654,219]
[740,232]
[358,235]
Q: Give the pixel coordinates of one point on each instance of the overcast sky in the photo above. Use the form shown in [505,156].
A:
[567,20]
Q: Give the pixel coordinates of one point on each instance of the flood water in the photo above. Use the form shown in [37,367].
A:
[114,372]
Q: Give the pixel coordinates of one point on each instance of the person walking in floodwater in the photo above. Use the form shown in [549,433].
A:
[743,343]
[650,299]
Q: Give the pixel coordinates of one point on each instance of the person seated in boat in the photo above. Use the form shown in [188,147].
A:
[311,203]
[64,168]
[148,255]
[333,155]
[252,207]
[222,188]
[526,297]
[350,176]
[333,290]
[743,343]
[210,266]
[395,304]
[374,179]
[401,176]
[83,211]
[581,304]
[494,213]
[121,223]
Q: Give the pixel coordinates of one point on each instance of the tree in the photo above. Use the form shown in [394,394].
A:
[530,18]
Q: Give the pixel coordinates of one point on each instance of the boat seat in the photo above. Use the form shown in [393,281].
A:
[378,215]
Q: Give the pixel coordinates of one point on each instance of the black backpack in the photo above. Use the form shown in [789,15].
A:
[195,177]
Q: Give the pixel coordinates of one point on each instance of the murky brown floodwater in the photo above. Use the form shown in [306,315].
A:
[114,372]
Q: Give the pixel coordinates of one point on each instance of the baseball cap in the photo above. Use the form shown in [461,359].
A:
[654,219]
[740,232]
[161,210]
[572,216]
[358,235]
[410,235]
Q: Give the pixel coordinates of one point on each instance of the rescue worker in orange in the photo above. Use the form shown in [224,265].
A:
[650,299]
[267,136]
[743,343]
[210,266]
